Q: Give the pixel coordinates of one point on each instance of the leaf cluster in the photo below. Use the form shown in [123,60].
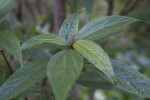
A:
[68,66]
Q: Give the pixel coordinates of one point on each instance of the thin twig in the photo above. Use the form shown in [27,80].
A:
[26,98]
[109,13]
[40,5]
[92,94]
[110,7]
[124,10]
[59,10]
[52,95]
[44,82]
[30,7]
[20,11]
[128,7]
[133,5]
[7,62]
[73,94]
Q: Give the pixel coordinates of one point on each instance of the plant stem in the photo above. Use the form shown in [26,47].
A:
[72,40]
[92,94]
[73,94]
[59,11]
[129,6]
[31,8]
[20,11]
[44,82]
[124,10]
[52,95]
[7,62]
[110,7]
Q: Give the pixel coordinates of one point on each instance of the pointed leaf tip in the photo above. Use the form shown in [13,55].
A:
[63,70]
[95,54]
[103,26]
[69,27]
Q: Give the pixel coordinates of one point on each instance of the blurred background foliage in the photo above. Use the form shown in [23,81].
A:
[31,17]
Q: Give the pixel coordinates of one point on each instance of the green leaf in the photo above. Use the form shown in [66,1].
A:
[34,53]
[92,79]
[69,27]
[2,76]
[10,43]
[50,38]
[63,70]
[33,92]
[130,80]
[6,6]
[105,37]
[103,26]
[25,77]
[95,54]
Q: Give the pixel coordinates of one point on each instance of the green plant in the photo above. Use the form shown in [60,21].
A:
[80,60]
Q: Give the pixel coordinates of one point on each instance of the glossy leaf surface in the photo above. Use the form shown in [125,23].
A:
[103,26]
[69,27]
[95,54]
[63,70]
[49,38]
[23,78]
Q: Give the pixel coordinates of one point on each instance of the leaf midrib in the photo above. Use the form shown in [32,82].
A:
[96,57]
[102,27]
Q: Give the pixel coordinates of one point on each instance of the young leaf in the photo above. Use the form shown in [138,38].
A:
[10,43]
[63,69]
[50,38]
[130,80]
[6,6]
[103,26]
[69,27]
[95,54]
[92,79]
[23,78]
